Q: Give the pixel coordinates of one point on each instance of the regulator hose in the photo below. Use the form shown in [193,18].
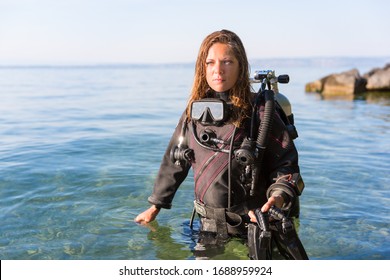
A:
[266,124]
[262,137]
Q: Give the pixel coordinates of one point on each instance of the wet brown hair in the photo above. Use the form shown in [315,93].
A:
[240,93]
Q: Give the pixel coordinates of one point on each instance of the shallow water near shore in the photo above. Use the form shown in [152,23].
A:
[80,147]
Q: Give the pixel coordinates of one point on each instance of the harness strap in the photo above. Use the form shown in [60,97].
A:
[211,212]
[220,221]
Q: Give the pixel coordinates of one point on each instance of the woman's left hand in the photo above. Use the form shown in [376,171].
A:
[278,201]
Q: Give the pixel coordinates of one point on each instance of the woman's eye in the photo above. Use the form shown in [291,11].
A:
[227,62]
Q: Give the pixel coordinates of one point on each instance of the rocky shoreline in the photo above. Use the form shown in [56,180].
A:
[352,83]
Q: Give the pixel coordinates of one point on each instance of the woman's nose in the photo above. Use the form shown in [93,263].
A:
[218,68]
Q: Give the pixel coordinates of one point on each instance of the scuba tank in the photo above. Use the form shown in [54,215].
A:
[285,104]
[268,77]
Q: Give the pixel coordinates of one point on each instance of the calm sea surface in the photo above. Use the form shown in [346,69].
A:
[80,148]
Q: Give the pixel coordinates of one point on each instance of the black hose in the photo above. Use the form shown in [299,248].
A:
[199,142]
[266,124]
[262,137]
[230,168]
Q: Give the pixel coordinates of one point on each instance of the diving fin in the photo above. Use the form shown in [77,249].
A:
[288,242]
[259,238]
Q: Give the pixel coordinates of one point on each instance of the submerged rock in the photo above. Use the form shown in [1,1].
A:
[345,83]
[378,78]
[351,82]
[315,86]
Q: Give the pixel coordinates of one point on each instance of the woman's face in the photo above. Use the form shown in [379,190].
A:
[221,67]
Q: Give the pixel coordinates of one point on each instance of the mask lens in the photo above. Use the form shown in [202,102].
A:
[214,107]
[197,109]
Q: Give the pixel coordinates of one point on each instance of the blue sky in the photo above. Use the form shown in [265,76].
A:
[151,31]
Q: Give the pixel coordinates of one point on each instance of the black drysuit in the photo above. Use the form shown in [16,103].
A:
[211,169]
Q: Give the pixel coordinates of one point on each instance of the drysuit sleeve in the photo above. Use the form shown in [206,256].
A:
[170,175]
[281,164]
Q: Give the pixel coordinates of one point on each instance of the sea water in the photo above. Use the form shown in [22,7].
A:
[80,147]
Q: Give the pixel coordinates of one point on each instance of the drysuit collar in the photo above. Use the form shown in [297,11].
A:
[225,96]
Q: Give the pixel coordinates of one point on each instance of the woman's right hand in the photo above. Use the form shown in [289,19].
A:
[148,215]
[273,200]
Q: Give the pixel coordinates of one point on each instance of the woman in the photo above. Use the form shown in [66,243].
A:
[216,122]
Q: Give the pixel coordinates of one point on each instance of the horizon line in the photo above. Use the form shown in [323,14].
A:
[287,60]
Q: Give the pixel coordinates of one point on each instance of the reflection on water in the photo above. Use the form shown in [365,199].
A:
[381,97]
[378,97]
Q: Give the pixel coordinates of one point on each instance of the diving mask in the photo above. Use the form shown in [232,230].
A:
[210,111]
